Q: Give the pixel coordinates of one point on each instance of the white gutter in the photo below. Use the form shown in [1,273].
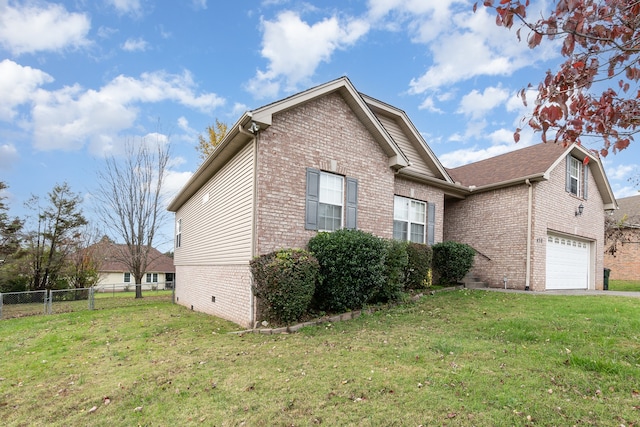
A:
[527,280]
[253,135]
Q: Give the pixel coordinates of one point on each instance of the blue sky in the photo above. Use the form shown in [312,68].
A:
[78,79]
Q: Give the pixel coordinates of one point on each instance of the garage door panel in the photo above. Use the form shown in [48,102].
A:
[567,263]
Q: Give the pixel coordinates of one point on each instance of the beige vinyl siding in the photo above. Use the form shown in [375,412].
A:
[217,222]
[417,163]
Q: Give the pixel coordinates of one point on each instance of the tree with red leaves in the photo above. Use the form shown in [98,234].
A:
[601,47]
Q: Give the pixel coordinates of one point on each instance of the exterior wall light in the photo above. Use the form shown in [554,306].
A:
[580,210]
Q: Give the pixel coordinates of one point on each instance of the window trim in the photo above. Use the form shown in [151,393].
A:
[126,278]
[349,200]
[332,177]
[179,233]
[578,172]
[409,220]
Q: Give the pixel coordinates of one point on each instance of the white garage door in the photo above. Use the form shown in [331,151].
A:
[567,263]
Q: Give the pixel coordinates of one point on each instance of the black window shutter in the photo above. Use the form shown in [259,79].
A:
[352,204]
[585,177]
[431,223]
[312,199]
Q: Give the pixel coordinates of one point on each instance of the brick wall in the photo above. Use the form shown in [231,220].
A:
[555,212]
[324,134]
[495,224]
[229,284]
[626,264]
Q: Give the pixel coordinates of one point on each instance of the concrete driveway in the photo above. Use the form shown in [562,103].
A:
[570,292]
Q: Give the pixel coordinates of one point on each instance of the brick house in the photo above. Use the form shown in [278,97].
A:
[625,265]
[323,159]
[535,217]
[331,157]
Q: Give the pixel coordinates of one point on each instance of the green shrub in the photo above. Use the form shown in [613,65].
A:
[285,282]
[351,268]
[452,260]
[395,265]
[417,273]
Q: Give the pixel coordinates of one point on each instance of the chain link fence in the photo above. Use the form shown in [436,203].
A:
[31,303]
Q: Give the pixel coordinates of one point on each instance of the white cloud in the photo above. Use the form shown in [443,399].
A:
[66,118]
[295,49]
[429,105]
[183,124]
[625,191]
[199,4]
[127,7]
[173,183]
[17,86]
[135,45]
[471,46]
[622,172]
[477,105]
[34,27]
[8,156]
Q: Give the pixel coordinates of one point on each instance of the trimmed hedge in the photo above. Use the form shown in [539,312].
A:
[417,273]
[352,268]
[395,265]
[452,260]
[285,283]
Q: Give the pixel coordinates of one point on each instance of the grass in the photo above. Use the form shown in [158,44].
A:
[624,285]
[455,358]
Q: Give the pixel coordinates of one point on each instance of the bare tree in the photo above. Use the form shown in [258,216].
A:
[130,202]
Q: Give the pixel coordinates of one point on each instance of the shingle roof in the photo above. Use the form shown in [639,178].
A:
[628,209]
[532,160]
[111,254]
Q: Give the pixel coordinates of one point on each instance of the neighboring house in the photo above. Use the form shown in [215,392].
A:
[322,159]
[331,157]
[535,217]
[114,274]
[625,265]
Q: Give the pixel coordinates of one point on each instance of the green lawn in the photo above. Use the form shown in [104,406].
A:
[624,285]
[457,358]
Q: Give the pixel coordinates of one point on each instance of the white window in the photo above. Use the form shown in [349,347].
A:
[152,277]
[409,219]
[330,202]
[577,177]
[178,233]
[127,277]
[574,176]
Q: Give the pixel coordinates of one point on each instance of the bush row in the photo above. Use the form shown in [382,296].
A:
[344,270]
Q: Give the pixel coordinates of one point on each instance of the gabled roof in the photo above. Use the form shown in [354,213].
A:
[412,133]
[261,118]
[629,211]
[534,163]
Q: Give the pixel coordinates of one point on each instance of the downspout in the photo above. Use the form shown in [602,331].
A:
[527,280]
[254,137]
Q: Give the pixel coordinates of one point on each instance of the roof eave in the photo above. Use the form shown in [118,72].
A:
[235,138]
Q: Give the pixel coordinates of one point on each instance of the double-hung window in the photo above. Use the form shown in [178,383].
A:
[178,233]
[577,177]
[409,219]
[127,278]
[152,277]
[331,201]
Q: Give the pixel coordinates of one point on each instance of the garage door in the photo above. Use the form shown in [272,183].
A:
[567,263]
